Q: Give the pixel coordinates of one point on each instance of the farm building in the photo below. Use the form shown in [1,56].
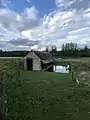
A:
[39,61]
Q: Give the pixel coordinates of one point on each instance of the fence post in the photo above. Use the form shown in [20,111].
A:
[3,96]
[73,76]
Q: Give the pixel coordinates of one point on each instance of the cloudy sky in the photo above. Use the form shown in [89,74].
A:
[33,24]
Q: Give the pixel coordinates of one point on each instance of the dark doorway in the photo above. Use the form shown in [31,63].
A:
[29,64]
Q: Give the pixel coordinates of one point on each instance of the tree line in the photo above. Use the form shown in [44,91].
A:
[13,53]
[71,50]
[67,50]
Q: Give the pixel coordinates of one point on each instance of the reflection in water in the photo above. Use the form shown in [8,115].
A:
[61,69]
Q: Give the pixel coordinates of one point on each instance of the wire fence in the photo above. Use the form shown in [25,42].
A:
[10,69]
[3,94]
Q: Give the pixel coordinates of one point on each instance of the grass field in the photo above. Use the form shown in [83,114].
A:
[66,61]
[11,62]
[47,96]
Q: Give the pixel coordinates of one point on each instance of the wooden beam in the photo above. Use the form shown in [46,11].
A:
[47,68]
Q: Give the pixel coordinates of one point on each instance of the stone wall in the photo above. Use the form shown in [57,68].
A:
[36,61]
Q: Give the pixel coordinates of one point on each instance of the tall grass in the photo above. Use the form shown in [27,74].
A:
[8,69]
[80,72]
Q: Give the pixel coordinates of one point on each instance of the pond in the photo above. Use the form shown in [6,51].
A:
[61,69]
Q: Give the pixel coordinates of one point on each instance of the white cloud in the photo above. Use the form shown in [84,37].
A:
[61,27]
[31,13]
[29,1]
[57,27]
[7,4]
[10,19]
[27,34]
[12,23]
[39,47]
[64,3]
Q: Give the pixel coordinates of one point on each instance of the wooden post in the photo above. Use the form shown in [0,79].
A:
[3,96]
[73,74]
[19,67]
[73,77]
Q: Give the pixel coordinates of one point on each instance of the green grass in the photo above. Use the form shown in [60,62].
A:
[47,96]
[11,63]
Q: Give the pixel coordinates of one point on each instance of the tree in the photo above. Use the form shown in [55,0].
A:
[86,49]
[47,49]
[69,47]
[54,48]
[63,47]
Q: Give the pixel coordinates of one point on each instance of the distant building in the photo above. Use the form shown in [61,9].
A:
[39,61]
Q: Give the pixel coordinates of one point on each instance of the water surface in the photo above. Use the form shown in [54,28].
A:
[61,69]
